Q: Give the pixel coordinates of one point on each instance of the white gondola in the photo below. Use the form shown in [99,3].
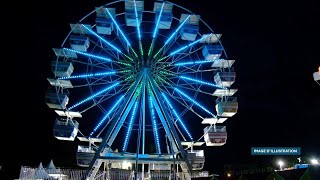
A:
[215,136]
[69,114]
[165,20]
[104,25]
[85,154]
[62,69]
[227,108]
[61,83]
[65,129]
[210,38]
[190,29]
[196,158]
[64,53]
[81,28]
[222,63]
[103,12]
[211,52]
[225,79]
[166,16]
[79,43]
[56,101]
[213,120]
[130,14]
[224,92]
[189,32]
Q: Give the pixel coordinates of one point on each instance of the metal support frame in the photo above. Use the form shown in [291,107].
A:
[114,128]
[167,121]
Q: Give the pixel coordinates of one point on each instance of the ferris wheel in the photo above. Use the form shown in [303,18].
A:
[143,85]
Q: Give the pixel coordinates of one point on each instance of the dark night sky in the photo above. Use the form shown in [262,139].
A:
[274,45]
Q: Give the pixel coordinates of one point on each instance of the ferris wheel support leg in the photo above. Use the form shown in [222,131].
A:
[143,117]
[165,116]
[113,130]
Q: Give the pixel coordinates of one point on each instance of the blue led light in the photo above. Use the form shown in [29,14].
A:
[88,75]
[154,124]
[177,116]
[94,95]
[195,102]
[102,39]
[176,31]
[201,82]
[89,55]
[114,21]
[107,115]
[158,21]
[194,62]
[125,144]
[171,36]
[189,45]
[137,20]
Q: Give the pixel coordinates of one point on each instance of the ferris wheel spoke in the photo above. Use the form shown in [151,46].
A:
[94,64]
[175,123]
[187,46]
[101,81]
[194,101]
[97,57]
[191,63]
[138,22]
[153,113]
[130,98]
[155,31]
[187,86]
[164,117]
[107,43]
[94,95]
[154,124]
[165,89]
[190,87]
[168,60]
[98,102]
[107,115]
[183,48]
[122,34]
[184,54]
[120,56]
[179,81]
[176,115]
[170,37]
[129,130]
[191,51]
[182,70]
[87,75]
[107,50]
[188,98]
[174,72]
[201,82]
[181,101]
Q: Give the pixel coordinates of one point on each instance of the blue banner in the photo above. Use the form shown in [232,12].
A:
[275,151]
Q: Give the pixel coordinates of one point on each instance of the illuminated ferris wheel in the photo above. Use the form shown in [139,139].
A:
[136,83]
